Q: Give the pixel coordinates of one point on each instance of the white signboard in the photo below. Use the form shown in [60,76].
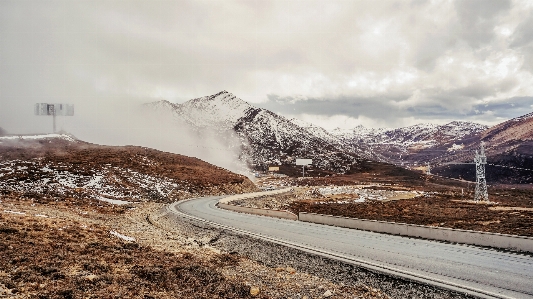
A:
[304,161]
[54,109]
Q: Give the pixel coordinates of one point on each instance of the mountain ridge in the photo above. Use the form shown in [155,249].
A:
[268,138]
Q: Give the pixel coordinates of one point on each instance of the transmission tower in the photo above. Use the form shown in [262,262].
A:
[481,183]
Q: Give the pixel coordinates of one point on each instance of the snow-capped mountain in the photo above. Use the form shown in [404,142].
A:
[509,150]
[316,130]
[267,138]
[410,145]
[421,133]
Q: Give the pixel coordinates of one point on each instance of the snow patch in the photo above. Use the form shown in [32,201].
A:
[123,237]
[37,137]
[14,212]
[113,201]
[455,147]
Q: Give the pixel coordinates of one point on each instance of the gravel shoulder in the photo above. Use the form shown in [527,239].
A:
[64,251]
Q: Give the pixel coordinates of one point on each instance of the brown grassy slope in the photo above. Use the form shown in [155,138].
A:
[442,210]
[54,258]
[83,158]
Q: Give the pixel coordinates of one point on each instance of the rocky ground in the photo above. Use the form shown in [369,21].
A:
[57,250]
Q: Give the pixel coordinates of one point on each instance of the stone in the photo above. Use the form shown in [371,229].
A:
[291,270]
[327,294]
[91,277]
[254,291]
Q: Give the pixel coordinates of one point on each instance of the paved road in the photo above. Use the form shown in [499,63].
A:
[486,272]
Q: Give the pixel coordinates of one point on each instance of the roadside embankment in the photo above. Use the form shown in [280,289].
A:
[471,237]
[225,203]
[496,240]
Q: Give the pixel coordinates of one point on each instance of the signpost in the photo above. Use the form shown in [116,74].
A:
[54,110]
[304,162]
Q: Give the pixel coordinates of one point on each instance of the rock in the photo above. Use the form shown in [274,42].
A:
[291,270]
[280,269]
[91,277]
[254,291]
[327,294]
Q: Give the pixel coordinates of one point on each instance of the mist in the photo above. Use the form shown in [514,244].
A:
[127,121]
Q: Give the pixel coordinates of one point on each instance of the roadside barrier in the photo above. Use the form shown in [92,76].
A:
[504,241]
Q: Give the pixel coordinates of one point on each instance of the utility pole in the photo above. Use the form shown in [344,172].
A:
[481,183]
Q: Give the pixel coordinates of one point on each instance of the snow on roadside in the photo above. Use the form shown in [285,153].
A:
[113,201]
[123,237]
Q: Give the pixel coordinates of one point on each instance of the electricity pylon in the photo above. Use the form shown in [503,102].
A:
[481,182]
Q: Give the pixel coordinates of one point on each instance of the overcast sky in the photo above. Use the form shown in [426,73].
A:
[334,63]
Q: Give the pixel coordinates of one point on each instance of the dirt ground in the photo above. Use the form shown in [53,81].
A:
[62,250]
[441,203]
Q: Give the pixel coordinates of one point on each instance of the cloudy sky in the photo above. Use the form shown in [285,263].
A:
[334,63]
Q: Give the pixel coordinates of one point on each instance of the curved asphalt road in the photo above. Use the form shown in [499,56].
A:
[485,272]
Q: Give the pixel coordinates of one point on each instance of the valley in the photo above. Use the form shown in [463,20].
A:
[108,205]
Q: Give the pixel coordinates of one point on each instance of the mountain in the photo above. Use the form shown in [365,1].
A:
[266,137]
[2,132]
[509,150]
[54,166]
[415,144]
[270,139]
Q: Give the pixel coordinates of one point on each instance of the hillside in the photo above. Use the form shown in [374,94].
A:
[266,137]
[413,144]
[509,148]
[52,166]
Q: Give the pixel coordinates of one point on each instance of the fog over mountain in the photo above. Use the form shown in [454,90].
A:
[332,63]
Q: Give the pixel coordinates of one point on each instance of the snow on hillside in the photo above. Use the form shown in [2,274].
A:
[315,130]
[266,137]
[112,184]
[38,137]
[424,133]
[269,138]
[221,110]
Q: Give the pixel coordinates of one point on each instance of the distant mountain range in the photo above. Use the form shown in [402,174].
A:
[271,139]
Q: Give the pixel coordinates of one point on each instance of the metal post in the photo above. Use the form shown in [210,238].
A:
[54,117]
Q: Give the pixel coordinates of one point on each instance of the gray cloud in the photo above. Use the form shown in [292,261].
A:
[478,19]
[390,60]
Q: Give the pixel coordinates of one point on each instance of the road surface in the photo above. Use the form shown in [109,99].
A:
[487,273]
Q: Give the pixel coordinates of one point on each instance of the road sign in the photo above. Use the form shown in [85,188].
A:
[54,110]
[304,161]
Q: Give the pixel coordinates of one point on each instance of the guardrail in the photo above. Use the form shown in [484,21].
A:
[225,203]
[504,241]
